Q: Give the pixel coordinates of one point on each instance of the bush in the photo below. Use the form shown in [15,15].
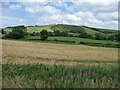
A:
[50,34]
[55,39]
[117,36]
[44,34]
[99,36]
[111,37]
[100,44]
[70,35]
[57,33]
[2,31]
[64,33]
[85,35]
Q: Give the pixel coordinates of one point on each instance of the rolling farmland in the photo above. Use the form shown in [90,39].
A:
[59,44]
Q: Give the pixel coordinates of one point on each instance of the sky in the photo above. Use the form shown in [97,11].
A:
[93,13]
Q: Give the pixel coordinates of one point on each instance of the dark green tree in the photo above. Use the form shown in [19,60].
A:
[2,31]
[64,33]
[85,35]
[111,37]
[50,34]
[44,34]
[57,33]
[99,36]
[18,32]
[117,36]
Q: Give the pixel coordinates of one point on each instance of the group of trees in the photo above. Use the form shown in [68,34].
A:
[85,35]
[114,37]
[18,32]
[99,36]
[60,33]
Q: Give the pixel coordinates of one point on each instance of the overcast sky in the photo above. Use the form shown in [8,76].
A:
[94,13]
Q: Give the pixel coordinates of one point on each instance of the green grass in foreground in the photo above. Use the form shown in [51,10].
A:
[59,76]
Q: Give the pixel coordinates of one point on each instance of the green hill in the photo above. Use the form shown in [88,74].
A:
[72,29]
[39,28]
[105,31]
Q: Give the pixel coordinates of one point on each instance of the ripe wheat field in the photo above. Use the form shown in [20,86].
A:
[21,52]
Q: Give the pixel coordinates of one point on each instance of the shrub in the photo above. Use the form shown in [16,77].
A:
[57,33]
[117,36]
[55,39]
[44,34]
[2,31]
[85,35]
[99,36]
[111,37]
[50,34]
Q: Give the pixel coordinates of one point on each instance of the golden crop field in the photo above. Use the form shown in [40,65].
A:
[22,52]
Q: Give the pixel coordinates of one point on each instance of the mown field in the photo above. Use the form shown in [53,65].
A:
[45,65]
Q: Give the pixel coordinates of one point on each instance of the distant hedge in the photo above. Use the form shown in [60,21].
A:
[101,44]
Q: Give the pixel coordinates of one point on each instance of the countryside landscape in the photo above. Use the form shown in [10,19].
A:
[59,55]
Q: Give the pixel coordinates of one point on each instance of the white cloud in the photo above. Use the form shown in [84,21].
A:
[36,8]
[111,25]
[89,19]
[50,19]
[15,7]
[79,18]
[96,2]
[95,5]
[31,10]
[95,13]
[6,20]
[108,16]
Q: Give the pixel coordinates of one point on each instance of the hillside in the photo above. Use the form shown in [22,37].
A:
[72,29]
[105,31]
[39,28]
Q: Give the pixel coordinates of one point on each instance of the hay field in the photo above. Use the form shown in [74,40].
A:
[22,52]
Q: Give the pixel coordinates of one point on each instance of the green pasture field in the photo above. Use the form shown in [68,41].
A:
[77,40]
